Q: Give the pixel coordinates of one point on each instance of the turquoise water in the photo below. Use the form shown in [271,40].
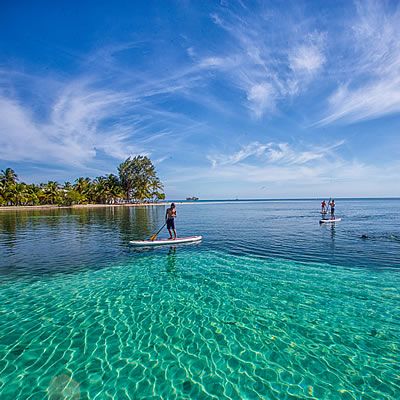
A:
[293,311]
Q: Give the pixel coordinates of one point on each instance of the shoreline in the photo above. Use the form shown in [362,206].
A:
[179,202]
[77,206]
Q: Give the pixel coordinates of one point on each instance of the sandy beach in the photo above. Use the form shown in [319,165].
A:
[50,207]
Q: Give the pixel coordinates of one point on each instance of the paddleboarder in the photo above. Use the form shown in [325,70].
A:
[332,205]
[170,216]
[323,207]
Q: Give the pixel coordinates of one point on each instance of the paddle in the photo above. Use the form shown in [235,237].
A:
[153,237]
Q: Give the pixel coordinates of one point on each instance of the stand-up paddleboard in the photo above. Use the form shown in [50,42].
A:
[329,221]
[164,242]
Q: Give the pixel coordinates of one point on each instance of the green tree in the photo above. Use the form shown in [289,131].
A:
[8,176]
[52,193]
[139,179]
[8,182]
[72,197]
[2,200]
[84,187]
[20,197]
[99,190]
[8,193]
[32,193]
[67,186]
[114,187]
[156,190]
[106,189]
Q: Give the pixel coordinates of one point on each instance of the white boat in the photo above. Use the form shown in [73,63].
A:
[164,242]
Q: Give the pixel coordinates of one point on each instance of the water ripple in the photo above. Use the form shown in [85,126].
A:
[202,325]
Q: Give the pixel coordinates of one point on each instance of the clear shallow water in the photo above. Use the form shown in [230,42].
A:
[295,310]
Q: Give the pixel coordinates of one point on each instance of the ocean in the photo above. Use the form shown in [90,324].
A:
[270,305]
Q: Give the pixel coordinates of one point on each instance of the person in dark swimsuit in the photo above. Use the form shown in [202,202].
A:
[170,216]
[332,205]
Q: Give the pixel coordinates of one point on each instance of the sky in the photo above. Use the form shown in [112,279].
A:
[229,99]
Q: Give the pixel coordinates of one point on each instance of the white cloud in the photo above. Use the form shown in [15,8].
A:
[259,63]
[191,52]
[372,88]
[369,101]
[275,154]
[262,98]
[252,149]
[282,152]
[81,122]
[326,172]
[323,176]
[82,118]
[210,62]
[306,58]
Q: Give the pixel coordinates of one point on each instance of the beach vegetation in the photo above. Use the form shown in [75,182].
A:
[137,182]
[139,179]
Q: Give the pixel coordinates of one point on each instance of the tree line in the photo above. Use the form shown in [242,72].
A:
[136,181]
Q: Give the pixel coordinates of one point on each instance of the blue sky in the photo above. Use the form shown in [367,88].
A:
[229,99]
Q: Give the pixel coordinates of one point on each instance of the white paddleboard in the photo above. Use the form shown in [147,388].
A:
[329,221]
[164,242]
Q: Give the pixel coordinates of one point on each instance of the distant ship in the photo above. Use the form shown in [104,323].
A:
[192,198]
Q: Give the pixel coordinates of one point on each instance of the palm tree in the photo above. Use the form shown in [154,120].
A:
[137,179]
[114,189]
[156,189]
[99,189]
[2,199]
[52,193]
[21,195]
[83,186]
[105,189]
[8,176]
[67,186]
[32,194]
[8,193]
[8,180]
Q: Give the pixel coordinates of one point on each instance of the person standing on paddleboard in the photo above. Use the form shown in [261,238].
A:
[323,207]
[332,204]
[170,216]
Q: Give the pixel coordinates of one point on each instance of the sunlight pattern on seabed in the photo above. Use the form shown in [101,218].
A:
[202,325]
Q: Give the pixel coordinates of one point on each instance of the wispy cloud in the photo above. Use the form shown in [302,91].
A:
[372,100]
[262,64]
[372,87]
[323,176]
[252,149]
[209,62]
[261,97]
[275,154]
[306,59]
[336,175]
[81,122]
[86,116]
